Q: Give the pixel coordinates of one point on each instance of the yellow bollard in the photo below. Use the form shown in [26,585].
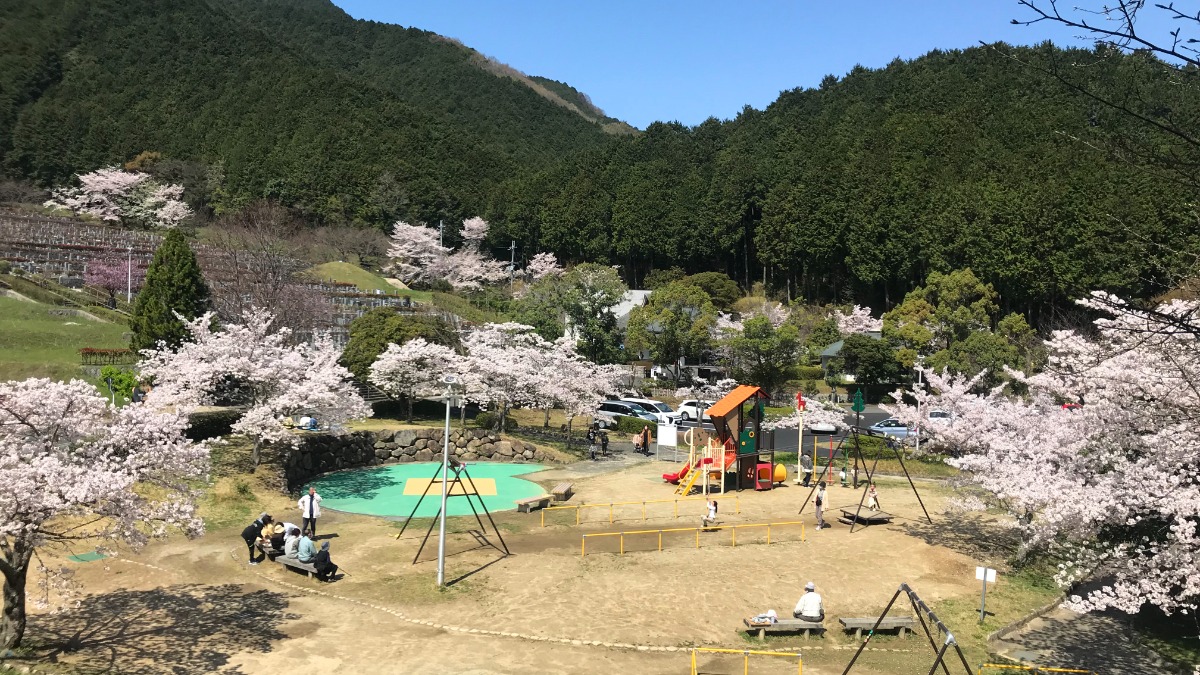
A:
[693,662]
[622,543]
[660,540]
[543,517]
[583,546]
[643,511]
[768,533]
[745,663]
[610,516]
[697,538]
[734,531]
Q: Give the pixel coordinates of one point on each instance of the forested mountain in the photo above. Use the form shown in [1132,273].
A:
[288,99]
[860,187]
[856,189]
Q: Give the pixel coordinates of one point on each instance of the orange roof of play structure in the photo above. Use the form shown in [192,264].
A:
[734,399]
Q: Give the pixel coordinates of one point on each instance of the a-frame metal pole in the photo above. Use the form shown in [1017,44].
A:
[912,484]
[485,510]
[863,646]
[418,504]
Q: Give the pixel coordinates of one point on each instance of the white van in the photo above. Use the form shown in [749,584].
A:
[661,411]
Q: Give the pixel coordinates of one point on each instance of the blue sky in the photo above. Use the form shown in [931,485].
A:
[660,60]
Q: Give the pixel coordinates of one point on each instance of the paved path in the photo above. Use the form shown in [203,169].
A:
[1100,642]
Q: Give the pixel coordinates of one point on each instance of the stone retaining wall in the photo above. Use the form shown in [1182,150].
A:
[323,453]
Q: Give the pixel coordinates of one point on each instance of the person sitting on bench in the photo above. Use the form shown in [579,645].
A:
[291,544]
[810,608]
[307,423]
[325,567]
[306,552]
[711,517]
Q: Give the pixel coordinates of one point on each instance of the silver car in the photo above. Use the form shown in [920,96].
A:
[893,427]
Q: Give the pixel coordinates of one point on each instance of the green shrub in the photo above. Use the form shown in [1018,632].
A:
[809,372]
[490,420]
[212,423]
[5,267]
[633,425]
[123,381]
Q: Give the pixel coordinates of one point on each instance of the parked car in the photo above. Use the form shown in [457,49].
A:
[940,417]
[821,427]
[660,410]
[690,409]
[607,413]
[892,427]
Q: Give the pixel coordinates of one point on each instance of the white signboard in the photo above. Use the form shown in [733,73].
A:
[985,574]
[667,435]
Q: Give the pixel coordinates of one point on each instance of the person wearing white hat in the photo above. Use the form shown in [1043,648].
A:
[810,608]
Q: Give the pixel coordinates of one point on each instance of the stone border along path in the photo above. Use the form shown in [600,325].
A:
[575,642]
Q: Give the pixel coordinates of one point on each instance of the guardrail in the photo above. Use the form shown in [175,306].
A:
[1032,669]
[737,506]
[746,654]
[733,529]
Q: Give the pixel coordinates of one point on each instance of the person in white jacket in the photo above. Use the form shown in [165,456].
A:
[810,607]
[310,510]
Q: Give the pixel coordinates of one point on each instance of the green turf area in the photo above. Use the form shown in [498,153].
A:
[36,343]
[87,557]
[380,491]
[347,273]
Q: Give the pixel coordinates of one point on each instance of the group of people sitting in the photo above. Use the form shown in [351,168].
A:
[810,608]
[265,535]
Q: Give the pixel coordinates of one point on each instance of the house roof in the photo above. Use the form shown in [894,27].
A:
[833,349]
[733,400]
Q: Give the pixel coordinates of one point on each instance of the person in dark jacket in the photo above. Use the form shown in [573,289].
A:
[325,567]
[252,533]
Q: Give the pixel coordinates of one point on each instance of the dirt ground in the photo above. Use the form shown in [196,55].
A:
[197,607]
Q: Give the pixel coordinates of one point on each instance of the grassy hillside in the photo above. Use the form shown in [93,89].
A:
[36,343]
[347,273]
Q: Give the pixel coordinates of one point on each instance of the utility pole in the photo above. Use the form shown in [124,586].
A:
[920,366]
[512,264]
[441,235]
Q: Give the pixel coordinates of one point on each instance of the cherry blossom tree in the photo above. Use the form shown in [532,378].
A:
[707,391]
[419,258]
[270,376]
[75,468]
[1111,487]
[505,358]
[115,276]
[859,320]
[815,412]
[113,194]
[543,265]
[413,369]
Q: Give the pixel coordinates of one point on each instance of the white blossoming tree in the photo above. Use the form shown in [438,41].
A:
[112,194]
[413,369]
[1111,487]
[543,265]
[74,468]
[859,320]
[418,257]
[273,378]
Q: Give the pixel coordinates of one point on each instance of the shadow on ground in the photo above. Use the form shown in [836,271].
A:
[970,534]
[1102,642]
[178,629]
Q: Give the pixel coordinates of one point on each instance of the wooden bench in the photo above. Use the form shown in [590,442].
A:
[784,626]
[267,550]
[530,503]
[562,492]
[858,624]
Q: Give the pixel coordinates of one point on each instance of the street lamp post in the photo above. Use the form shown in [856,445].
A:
[128,276]
[449,381]
[920,365]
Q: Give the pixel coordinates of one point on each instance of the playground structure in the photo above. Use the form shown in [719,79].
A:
[696,530]
[745,654]
[455,487]
[926,618]
[734,450]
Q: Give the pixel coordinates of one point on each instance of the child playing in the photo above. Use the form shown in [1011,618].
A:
[711,518]
[872,498]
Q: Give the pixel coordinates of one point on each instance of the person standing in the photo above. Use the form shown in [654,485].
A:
[604,443]
[310,510]
[873,498]
[252,535]
[806,466]
[820,505]
[592,443]
[646,440]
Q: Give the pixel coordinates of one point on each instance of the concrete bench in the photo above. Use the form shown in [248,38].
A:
[902,624]
[530,503]
[784,626]
[297,565]
[562,492]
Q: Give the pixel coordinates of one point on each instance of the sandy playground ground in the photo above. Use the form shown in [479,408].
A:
[197,607]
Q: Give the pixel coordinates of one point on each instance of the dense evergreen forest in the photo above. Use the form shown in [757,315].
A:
[854,190]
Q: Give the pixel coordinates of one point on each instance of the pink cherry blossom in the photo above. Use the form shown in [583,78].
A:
[543,265]
[70,463]
[113,194]
[859,320]
[277,378]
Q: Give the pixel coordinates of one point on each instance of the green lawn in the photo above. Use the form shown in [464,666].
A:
[348,273]
[35,343]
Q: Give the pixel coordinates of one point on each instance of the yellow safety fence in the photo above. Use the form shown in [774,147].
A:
[737,506]
[746,654]
[732,528]
[1032,669]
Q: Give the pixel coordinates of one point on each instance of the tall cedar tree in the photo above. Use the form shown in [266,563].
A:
[173,284]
